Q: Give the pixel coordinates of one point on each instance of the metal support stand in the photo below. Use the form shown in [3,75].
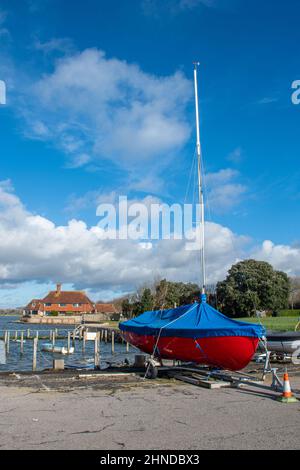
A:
[277,384]
[267,365]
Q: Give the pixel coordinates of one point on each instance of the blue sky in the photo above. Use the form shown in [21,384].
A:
[100,103]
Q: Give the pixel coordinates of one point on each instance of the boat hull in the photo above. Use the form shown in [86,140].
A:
[286,343]
[230,352]
[57,349]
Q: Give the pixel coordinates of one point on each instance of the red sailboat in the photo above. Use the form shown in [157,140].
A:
[195,333]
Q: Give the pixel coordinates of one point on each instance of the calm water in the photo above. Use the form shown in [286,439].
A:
[17,362]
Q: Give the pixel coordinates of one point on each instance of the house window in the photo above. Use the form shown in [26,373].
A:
[48,305]
[76,305]
[62,305]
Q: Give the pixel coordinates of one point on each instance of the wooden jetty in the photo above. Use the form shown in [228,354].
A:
[82,333]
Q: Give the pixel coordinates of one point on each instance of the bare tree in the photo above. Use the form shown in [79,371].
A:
[294,298]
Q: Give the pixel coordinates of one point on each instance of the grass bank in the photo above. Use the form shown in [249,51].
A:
[275,324]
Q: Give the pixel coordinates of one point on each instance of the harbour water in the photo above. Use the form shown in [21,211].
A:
[15,361]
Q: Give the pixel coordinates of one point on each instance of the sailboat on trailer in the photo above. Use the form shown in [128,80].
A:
[195,333]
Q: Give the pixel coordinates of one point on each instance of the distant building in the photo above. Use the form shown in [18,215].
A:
[62,302]
[35,307]
[70,303]
[107,311]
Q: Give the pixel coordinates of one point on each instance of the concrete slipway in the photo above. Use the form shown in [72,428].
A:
[68,411]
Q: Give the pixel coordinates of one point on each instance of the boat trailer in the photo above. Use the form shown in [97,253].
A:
[212,378]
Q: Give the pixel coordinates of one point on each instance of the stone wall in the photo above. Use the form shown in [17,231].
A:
[67,320]
[60,320]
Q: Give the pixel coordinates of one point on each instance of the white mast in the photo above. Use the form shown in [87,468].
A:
[200,185]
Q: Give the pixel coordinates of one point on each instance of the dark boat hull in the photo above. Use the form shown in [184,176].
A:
[286,343]
[230,352]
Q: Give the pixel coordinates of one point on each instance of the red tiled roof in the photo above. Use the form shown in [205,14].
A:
[35,304]
[67,297]
[105,308]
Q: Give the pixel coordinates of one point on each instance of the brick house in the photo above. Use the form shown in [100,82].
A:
[71,302]
[35,307]
[106,309]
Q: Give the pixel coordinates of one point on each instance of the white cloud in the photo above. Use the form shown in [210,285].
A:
[91,199]
[79,160]
[283,257]
[4,32]
[33,248]
[35,6]
[268,100]
[236,155]
[221,177]
[62,45]
[223,192]
[190,4]
[96,108]
[156,8]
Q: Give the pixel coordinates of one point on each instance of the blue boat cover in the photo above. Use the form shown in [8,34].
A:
[198,320]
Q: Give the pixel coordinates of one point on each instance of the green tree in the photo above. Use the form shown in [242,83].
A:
[252,285]
[168,294]
[163,295]
[126,308]
[146,300]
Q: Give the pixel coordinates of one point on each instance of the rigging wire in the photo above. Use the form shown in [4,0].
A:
[207,193]
[192,170]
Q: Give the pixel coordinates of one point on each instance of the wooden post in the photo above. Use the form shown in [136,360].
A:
[50,335]
[53,339]
[22,343]
[69,341]
[35,344]
[113,342]
[97,351]
[56,332]
[28,333]
[105,336]
[7,342]
[37,335]
[16,335]
[83,341]
[127,347]
[58,364]
[5,338]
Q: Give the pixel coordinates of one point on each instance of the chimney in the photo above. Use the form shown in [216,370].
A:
[58,289]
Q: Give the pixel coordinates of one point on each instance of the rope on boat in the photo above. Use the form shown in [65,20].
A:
[201,349]
[159,334]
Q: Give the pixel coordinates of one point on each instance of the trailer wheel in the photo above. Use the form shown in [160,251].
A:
[151,371]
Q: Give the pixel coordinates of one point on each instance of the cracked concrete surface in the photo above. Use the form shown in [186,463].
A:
[143,415]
